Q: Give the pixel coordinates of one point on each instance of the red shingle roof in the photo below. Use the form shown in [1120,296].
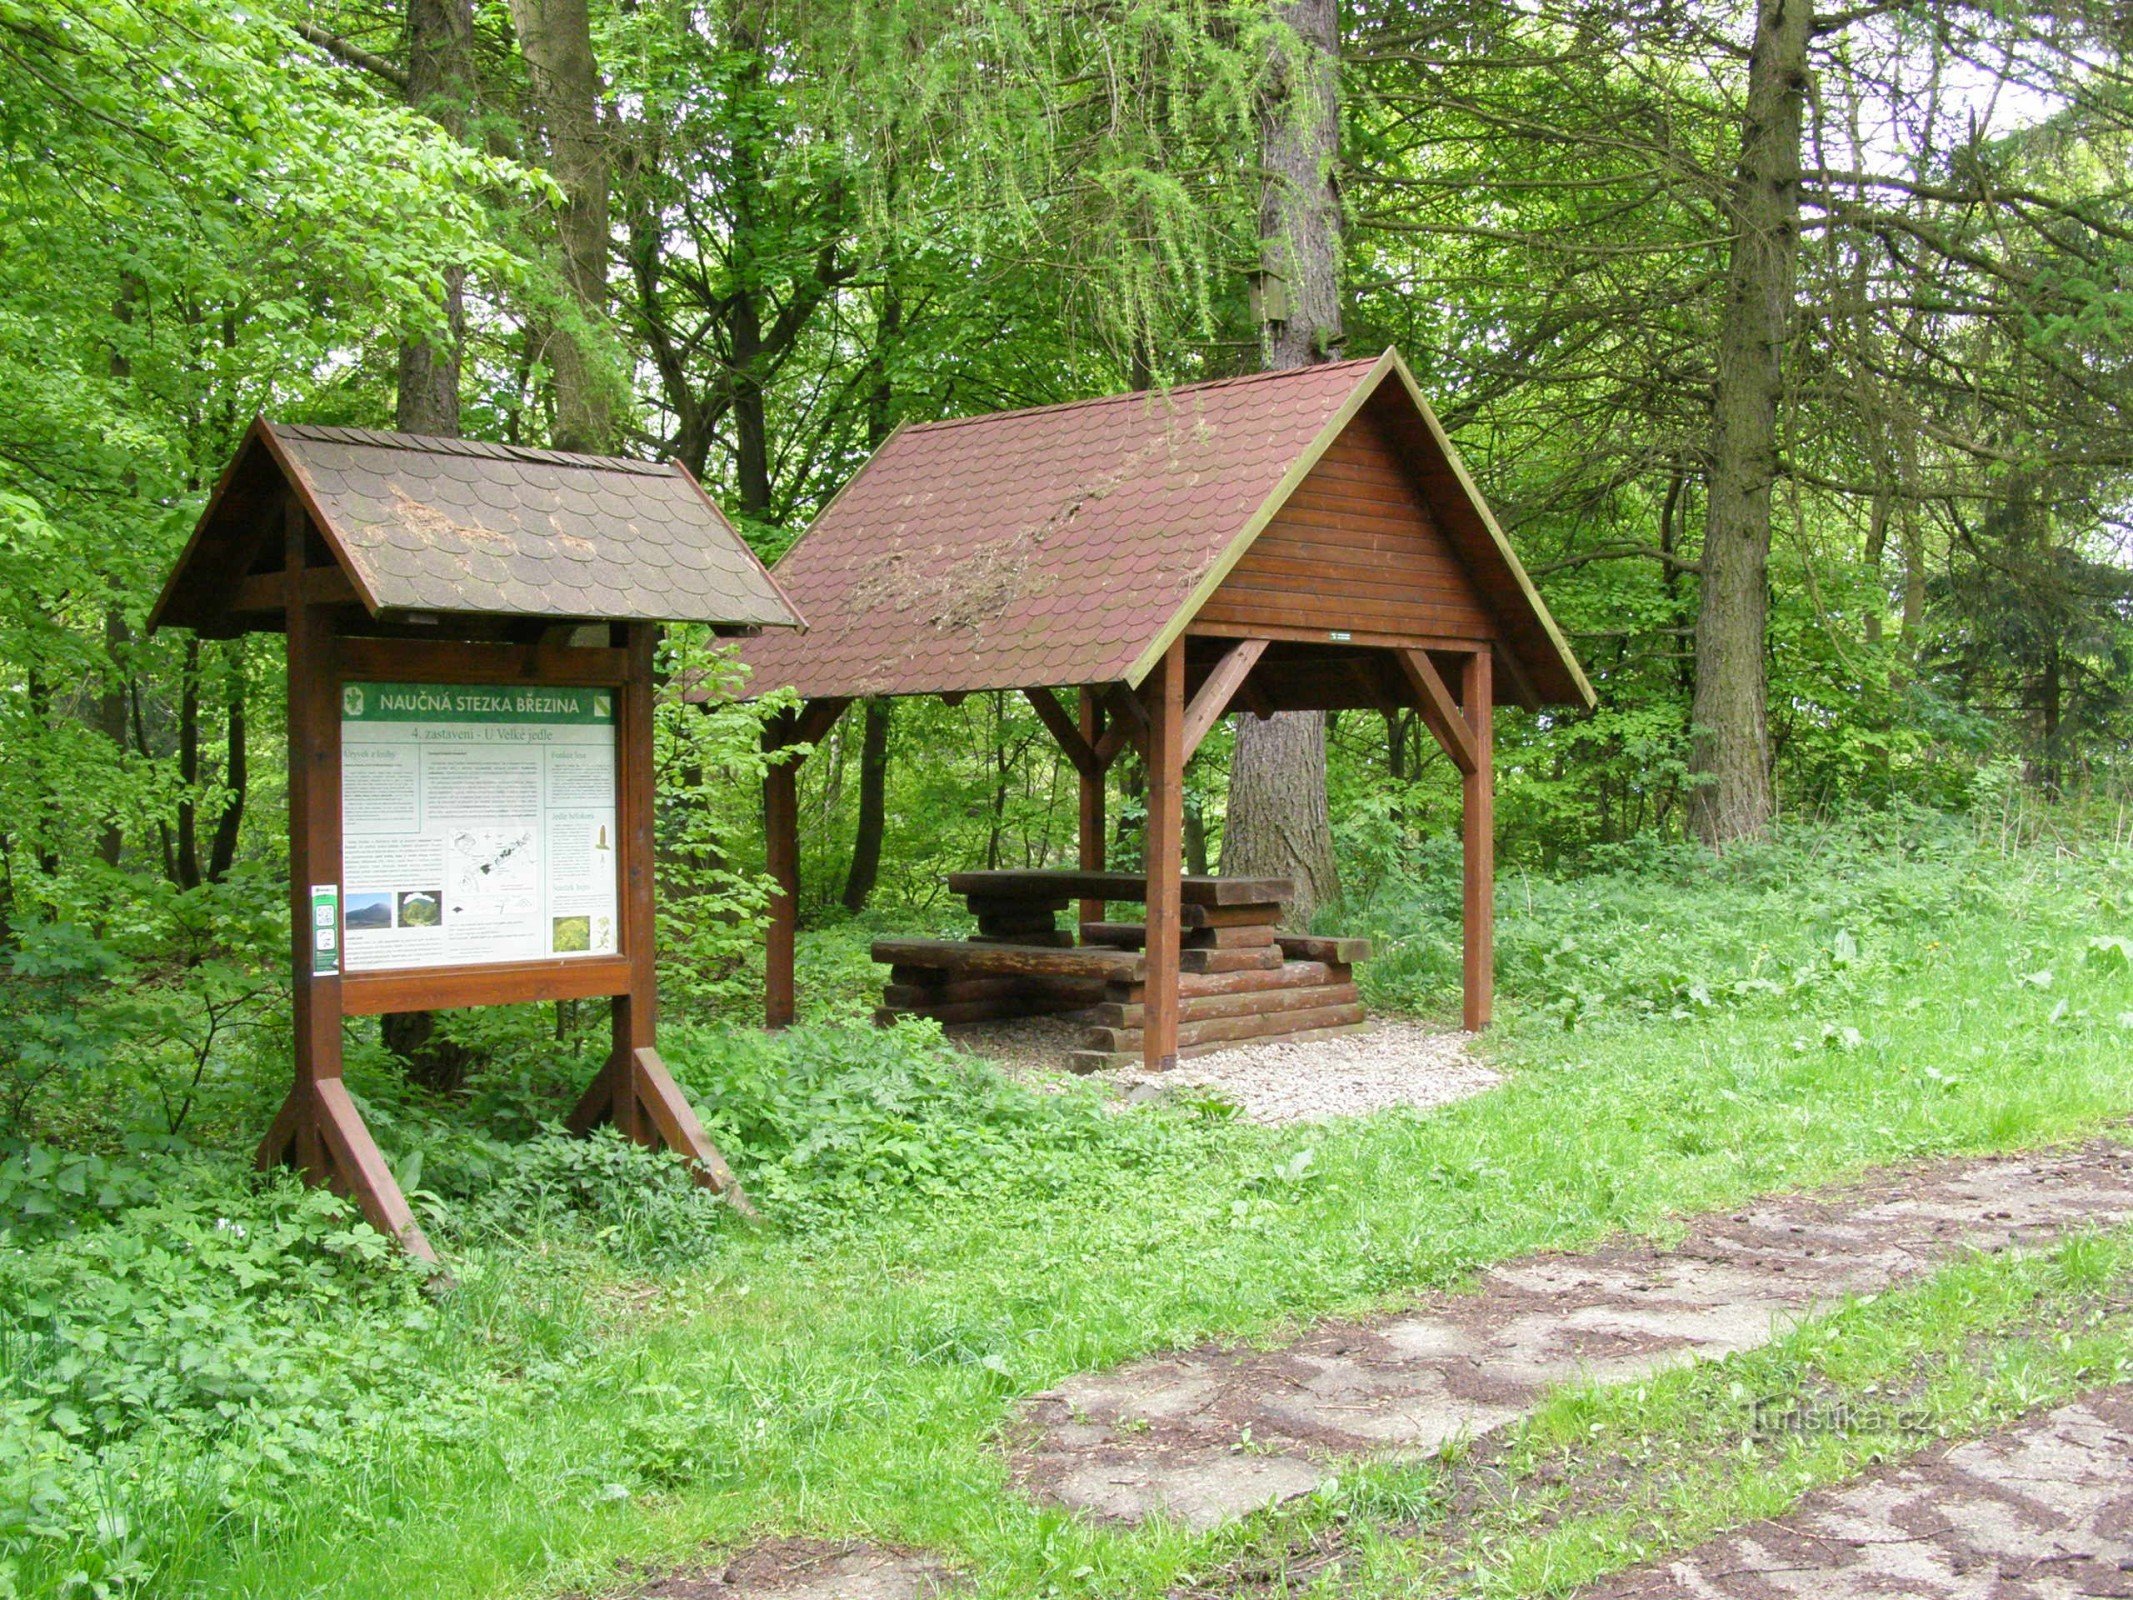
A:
[1067,544]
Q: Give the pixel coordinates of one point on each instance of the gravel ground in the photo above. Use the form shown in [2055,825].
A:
[1387,1064]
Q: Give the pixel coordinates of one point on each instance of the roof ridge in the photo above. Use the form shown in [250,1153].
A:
[442,445]
[1089,401]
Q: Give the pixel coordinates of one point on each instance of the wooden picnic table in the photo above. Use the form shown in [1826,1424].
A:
[1058,886]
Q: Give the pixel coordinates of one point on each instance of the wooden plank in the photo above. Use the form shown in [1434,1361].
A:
[456,661]
[1218,689]
[1439,711]
[1050,883]
[1311,947]
[1256,607]
[1058,938]
[1202,1008]
[1204,627]
[961,957]
[1226,1030]
[368,994]
[1478,843]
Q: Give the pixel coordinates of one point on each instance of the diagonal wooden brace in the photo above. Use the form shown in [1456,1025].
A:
[1440,710]
[319,1130]
[1219,689]
[637,1093]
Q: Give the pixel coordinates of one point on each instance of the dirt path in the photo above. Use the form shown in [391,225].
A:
[1211,1434]
[2038,1511]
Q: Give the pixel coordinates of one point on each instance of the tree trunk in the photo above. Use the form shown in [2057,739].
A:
[874,741]
[222,849]
[1729,756]
[184,867]
[555,36]
[1277,821]
[111,720]
[873,805]
[440,85]
[1289,835]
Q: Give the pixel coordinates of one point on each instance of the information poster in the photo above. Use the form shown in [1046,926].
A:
[477,824]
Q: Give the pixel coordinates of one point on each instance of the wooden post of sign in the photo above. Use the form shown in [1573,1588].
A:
[1478,834]
[635,1013]
[634,1090]
[1092,802]
[1164,696]
[319,1128]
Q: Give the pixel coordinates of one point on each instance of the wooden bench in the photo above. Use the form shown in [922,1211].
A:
[1240,977]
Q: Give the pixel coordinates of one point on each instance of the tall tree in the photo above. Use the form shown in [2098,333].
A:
[440,85]
[1730,734]
[1278,824]
[555,36]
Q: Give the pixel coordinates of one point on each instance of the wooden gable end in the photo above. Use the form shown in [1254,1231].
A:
[1353,549]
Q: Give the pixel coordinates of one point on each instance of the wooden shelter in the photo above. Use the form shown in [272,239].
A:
[1298,540]
[470,631]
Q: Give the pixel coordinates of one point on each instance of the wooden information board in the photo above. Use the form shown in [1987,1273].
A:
[469,634]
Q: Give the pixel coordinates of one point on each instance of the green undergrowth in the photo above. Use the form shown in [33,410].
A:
[620,1376]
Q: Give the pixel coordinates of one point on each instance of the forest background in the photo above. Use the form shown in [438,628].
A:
[757,237]
[1789,344]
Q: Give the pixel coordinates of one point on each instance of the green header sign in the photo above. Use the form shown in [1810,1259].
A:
[475,703]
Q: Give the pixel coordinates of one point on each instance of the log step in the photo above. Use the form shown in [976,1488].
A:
[1264,959]
[1203,1008]
[1289,975]
[1055,938]
[961,957]
[1134,936]
[1109,1060]
[938,989]
[1310,947]
[1224,1030]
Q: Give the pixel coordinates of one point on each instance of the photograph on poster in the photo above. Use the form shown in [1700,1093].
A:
[478,824]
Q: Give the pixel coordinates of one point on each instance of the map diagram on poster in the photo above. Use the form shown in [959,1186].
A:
[477,824]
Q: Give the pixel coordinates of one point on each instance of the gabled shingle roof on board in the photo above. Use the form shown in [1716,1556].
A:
[462,526]
[1068,544]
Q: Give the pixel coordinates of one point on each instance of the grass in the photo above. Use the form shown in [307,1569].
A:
[1679,1037]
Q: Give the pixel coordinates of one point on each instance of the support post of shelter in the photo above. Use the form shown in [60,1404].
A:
[1163,694]
[1092,800]
[781,847]
[781,859]
[1478,833]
